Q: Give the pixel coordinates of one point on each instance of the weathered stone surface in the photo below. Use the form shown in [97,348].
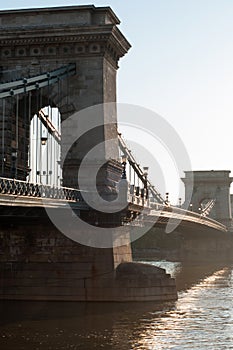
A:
[36,261]
[207,185]
[138,269]
[193,244]
[35,41]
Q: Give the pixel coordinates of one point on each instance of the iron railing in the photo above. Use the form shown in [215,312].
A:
[28,189]
[140,173]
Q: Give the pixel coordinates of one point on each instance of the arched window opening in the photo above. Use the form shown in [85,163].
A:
[45,149]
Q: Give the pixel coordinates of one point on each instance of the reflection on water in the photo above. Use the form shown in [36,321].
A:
[202,318]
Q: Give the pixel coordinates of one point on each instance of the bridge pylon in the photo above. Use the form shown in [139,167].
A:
[48,39]
[210,185]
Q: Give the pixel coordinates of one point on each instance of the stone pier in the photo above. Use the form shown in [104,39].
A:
[37,262]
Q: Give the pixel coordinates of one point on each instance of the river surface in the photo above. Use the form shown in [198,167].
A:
[202,318]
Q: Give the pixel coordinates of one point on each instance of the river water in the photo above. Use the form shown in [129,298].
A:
[202,318]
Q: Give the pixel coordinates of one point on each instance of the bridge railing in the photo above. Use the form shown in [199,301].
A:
[28,189]
[186,213]
[138,196]
[24,188]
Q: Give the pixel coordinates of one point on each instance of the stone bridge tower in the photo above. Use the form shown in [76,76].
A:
[36,41]
[207,185]
[37,261]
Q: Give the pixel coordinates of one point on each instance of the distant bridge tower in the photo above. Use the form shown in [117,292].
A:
[210,185]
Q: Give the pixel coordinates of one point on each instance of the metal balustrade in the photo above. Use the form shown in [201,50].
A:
[138,197]
[28,189]
[140,173]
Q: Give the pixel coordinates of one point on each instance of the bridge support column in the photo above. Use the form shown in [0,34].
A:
[208,185]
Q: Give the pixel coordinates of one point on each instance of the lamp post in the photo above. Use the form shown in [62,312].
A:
[180,202]
[3,165]
[167,198]
[43,140]
[38,173]
[123,162]
[13,166]
[145,173]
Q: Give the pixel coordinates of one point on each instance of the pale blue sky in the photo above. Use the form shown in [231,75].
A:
[180,66]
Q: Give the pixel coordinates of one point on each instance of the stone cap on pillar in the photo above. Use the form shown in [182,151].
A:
[81,15]
[57,26]
[215,176]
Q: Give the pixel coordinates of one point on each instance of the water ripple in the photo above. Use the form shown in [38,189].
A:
[202,318]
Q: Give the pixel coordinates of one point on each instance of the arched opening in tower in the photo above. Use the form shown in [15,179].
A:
[45,147]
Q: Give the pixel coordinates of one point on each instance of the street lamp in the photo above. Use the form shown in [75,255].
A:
[13,159]
[167,198]
[123,162]
[145,169]
[43,140]
[145,173]
[180,199]
[14,155]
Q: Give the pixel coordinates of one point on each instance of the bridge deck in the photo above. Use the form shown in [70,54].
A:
[15,193]
[174,214]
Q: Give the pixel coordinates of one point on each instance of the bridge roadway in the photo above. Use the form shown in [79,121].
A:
[185,218]
[21,194]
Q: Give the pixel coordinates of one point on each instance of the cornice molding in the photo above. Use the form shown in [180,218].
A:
[108,39]
[53,39]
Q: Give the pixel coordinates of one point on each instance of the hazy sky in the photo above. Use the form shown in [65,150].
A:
[180,66]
